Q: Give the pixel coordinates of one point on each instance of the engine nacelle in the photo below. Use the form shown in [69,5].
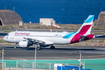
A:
[25,43]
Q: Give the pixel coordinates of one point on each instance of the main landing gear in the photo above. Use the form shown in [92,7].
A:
[52,47]
[38,46]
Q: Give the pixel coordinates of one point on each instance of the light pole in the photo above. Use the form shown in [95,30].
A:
[24,64]
[2,58]
[35,57]
[80,61]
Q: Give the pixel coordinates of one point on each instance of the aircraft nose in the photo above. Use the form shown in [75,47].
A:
[5,38]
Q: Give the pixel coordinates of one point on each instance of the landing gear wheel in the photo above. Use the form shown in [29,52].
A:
[16,45]
[38,47]
[52,47]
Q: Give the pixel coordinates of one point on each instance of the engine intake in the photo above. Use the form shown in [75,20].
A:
[25,43]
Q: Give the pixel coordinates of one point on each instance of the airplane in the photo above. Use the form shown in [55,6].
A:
[46,39]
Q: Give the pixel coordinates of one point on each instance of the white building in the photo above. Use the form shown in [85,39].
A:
[47,21]
[20,23]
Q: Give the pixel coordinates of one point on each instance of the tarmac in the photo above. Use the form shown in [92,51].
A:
[60,52]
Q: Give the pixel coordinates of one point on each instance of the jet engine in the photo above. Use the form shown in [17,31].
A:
[25,43]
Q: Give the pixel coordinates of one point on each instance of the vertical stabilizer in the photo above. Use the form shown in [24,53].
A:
[87,26]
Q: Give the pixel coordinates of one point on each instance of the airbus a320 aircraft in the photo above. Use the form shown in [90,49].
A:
[45,39]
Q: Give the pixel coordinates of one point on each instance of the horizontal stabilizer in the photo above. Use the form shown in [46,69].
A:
[99,36]
[3,34]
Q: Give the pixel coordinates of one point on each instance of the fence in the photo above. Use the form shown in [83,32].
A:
[31,66]
[37,66]
[94,64]
[2,66]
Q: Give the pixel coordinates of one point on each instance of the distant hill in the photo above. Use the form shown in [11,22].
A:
[100,22]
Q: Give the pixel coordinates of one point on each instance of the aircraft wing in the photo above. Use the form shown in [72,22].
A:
[42,41]
[46,42]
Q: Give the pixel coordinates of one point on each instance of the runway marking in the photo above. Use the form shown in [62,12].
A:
[62,58]
[17,58]
[68,54]
[95,56]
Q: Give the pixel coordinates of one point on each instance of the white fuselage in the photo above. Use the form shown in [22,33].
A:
[55,37]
